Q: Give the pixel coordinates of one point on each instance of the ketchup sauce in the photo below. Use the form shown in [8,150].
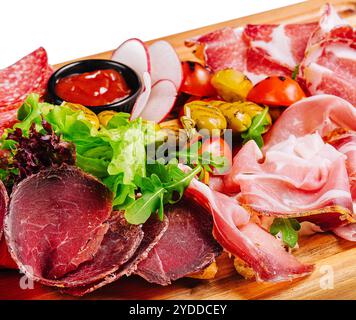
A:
[95,88]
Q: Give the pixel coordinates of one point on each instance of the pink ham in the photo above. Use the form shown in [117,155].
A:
[244,239]
[302,177]
[323,114]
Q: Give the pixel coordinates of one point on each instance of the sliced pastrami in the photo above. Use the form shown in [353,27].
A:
[153,230]
[56,221]
[186,247]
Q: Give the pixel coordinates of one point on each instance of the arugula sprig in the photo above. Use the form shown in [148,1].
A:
[288,228]
[257,128]
[164,184]
[208,161]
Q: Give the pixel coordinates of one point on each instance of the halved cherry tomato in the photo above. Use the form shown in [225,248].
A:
[217,147]
[196,80]
[276,91]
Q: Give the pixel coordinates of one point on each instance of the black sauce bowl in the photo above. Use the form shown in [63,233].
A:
[130,76]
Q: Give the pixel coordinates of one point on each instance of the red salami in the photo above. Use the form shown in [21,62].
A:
[30,74]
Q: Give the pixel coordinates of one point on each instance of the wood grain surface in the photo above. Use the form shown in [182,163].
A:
[335,259]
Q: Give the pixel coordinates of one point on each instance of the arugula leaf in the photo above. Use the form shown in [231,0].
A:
[158,190]
[259,123]
[288,228]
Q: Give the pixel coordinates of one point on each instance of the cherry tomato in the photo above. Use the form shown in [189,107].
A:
[196,80]
[276,91]
[217,147]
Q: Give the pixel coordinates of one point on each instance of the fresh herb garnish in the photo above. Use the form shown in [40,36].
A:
[288,228]
[164,185]
[295,72]
[257,128]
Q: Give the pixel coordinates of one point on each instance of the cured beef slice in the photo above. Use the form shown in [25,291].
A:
[186,247]
[153,230]
[56,221]
[4,199]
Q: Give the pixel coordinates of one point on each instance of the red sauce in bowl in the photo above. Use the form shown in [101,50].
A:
[95,88]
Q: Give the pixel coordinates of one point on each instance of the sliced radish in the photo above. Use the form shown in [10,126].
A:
[143,97]
[162,98]
[133,53]
[165,63]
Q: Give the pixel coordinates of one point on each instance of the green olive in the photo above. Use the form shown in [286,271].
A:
[205,116]
[239,115]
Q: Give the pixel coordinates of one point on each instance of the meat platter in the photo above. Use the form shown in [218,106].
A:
[256,203]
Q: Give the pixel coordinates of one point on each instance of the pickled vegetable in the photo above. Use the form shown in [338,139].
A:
[89,115]
[105,117]
[231,85]
[205,116]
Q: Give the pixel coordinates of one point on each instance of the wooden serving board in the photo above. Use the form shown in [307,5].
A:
[331,255]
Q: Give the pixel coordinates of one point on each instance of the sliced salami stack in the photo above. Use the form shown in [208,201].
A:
[28,75]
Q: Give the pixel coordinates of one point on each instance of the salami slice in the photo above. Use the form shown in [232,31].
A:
[30,74]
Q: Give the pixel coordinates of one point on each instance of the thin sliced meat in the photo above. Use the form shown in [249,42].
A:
[56,221]
[346,144]
[279,44]
[347,232]
[224,49]
[244,239]
[5,258]
[4,200]
[186,247]
[30,74]
[323,114]
[118,246]
[300,177]
[330,61]
[153,230]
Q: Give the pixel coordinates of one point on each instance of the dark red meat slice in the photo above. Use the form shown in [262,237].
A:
[118,246]
[4,199]
[153,231]
[30,74]
[56,221]
[186,247]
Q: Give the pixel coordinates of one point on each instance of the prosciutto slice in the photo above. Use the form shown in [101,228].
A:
[300,177]
[186,247]
[224,49]
[257,50]
[245,239]
[330,62]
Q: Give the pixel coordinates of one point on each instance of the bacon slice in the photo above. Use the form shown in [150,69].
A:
[300,177]
[244,239]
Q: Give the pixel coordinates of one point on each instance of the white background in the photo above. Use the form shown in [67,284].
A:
[69,29]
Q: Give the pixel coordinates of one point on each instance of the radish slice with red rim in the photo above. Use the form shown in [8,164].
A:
[165,63]
[143,97]
[133,53]
[161,101]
